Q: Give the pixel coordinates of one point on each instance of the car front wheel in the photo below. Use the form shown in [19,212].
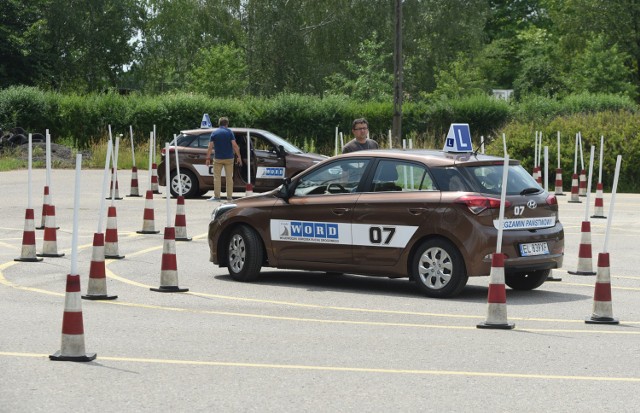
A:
[526,280]
[188,181]
[244,254]
[438,269]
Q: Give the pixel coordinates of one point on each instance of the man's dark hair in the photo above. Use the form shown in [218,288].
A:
[223,121]
[358,121]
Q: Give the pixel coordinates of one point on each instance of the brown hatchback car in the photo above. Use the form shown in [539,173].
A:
[272,159]
[431,216]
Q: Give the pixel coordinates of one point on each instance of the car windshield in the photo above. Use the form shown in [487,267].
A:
[488,179]
[278,141]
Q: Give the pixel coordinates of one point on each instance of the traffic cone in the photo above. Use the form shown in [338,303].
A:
[50,243]
[111,236]
[134,192]
[558,189]
[497,296]
[582,189]
[181,221]
[602,308]
[248,190]
[154,179]
[97,289]
[169,269]
[46,200]
[585,266]
[148,220]
[28,239]
[599,205]
[574,190]
[72,348]
[550,277]
[114,184]
[538,174]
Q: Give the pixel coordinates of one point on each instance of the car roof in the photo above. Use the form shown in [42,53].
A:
[432,157]
[200,131]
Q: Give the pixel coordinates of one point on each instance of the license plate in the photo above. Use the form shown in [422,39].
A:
[534,248]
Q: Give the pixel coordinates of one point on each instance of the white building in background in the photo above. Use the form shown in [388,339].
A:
[502,93]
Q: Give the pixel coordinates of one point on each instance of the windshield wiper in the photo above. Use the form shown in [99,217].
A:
[527,191]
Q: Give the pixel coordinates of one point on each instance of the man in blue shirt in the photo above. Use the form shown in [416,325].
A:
[224,145]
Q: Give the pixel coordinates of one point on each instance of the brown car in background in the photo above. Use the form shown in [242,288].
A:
[272,160]
[427,215]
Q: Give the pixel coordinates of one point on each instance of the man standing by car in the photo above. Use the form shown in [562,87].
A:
[223,142]
[361,141]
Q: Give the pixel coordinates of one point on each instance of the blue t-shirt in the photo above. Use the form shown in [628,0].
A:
[221,139]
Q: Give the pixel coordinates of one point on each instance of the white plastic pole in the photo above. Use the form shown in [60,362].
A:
[503,196]
[133,154]
[601,154]
[155,140]
[581,153]
[535,151]
[540,149]
[390,140]
[404,168]
[166,170]
[575,157]
[612,203]
[76,208]
[482,144]
[586,209]
[558,149]
[546,168]
[29,174]
[105,181]
[47,158]
[150,159]
[115,170]
[175,148]
[341,140]
[248,158]
[335,150]
[504,143]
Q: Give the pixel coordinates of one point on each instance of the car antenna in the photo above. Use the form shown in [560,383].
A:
[475,153]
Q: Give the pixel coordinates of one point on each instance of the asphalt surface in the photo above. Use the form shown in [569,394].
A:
[301,341]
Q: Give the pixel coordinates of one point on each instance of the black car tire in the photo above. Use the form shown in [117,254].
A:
[438,268]
[526,280]
[244,254]
[189,184]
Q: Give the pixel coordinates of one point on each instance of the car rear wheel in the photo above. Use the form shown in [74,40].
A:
[438,269]
[526,280]
[189,184]
[244,254]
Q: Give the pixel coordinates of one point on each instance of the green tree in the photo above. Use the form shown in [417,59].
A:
[460,79]
[367,78]
[539,73]
[220,71]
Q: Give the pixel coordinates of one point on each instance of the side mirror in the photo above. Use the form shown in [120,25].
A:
[284,192]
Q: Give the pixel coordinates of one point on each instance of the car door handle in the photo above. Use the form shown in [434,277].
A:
[340,211]
[417,211]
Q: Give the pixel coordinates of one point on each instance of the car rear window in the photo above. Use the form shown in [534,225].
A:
[488,179]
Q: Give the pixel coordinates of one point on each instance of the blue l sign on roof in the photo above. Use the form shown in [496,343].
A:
[458,138]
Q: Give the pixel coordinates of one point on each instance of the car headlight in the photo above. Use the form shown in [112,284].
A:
[219,211]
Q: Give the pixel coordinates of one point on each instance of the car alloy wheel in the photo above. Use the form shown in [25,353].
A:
[439,269]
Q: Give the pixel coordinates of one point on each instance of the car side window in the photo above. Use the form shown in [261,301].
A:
[391,175]
[449,179]
[202,141]
[261,144]
[342,176]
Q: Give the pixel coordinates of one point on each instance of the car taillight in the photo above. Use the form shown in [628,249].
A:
[552,200]
[477,204]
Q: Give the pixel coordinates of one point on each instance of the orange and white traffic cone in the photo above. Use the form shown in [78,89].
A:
[598,212]
[181,221]
[97,289]
[46,200]
[134,192]
[111,236]
[50,243]
[585,266]
[155,187]
[169,269]
[602,308]
[574,190]
[582,187]
[114,186]
[72,348]
[558,188]
[497,296]
[148,220]
[29,239]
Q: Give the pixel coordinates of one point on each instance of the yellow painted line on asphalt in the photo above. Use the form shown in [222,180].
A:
[613,287]
[342,369]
